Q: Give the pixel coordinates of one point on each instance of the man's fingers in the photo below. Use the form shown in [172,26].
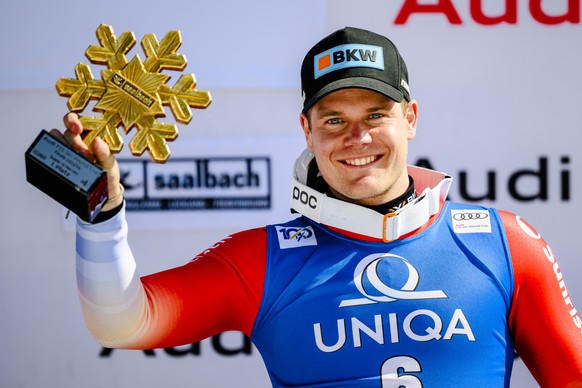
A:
[103,154]
[72,122]
[107,161]
[76,141]
[72,134]
[98,150]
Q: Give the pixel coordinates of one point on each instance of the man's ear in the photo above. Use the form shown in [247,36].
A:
[306,130]
[411,116]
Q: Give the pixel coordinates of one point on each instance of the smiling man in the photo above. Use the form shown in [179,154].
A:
[380,282]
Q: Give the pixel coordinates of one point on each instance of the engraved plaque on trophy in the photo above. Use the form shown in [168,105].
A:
[66,176]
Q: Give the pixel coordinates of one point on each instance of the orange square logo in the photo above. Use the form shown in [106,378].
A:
[324,62]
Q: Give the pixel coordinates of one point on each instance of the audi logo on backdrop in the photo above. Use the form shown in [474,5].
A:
[543,12]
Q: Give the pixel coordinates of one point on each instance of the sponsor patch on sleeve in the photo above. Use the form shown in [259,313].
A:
[294,237]
[471,221]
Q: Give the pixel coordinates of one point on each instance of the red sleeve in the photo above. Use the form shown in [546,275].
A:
[219,290]
[546,327]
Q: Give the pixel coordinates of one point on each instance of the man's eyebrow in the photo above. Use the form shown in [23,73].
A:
[388,105]
[324,111]
[329,112]
[377,108]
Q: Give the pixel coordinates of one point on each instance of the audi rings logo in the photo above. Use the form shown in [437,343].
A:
[382,278]
[471,221]
[470,216]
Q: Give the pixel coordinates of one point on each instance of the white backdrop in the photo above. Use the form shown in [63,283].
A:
[497,101]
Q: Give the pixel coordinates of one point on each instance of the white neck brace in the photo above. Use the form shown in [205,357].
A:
[432,185]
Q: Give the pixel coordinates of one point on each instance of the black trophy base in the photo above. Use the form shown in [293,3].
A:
[66,176]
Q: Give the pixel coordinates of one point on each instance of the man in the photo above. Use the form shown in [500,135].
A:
[380,283]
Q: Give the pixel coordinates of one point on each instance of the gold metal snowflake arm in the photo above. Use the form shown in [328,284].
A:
[80,90]
[104,127]
[112,50]
[163,56]
[182,96]
[152,136]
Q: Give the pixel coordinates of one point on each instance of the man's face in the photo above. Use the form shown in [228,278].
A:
[360,141]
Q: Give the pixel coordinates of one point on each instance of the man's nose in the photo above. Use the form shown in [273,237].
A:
[358,133]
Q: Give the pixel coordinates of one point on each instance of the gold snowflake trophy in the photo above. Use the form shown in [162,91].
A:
[130,94]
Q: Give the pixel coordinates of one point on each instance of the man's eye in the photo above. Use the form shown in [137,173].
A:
[376,116]
[334,121]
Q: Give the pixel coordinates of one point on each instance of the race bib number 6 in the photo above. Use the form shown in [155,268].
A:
[395,373]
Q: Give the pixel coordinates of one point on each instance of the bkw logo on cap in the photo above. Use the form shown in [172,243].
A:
[348,55]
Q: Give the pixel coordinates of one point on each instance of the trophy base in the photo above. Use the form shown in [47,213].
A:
[66,176]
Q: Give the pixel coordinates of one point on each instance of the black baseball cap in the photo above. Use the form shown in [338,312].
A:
[353,58]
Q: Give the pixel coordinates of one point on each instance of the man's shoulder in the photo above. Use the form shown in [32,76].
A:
[262,231]
[465,205]
[299,221]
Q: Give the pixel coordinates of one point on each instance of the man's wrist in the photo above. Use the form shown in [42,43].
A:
[105,215]
[115,199]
